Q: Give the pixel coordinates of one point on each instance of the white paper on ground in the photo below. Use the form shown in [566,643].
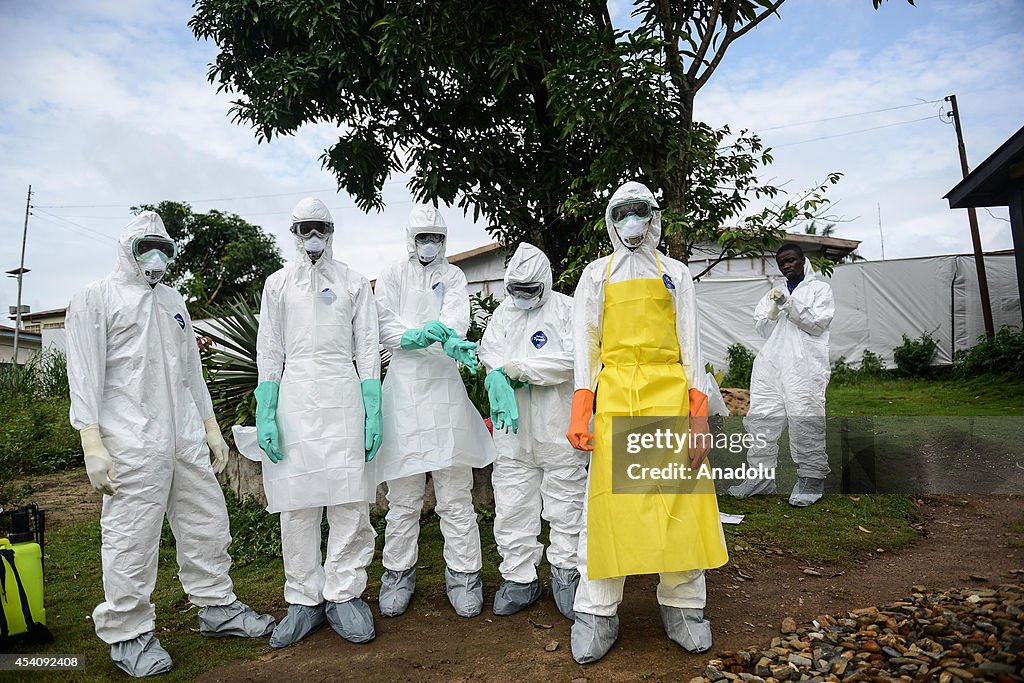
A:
[729,519]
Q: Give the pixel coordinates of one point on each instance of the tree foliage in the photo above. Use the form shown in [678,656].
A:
[526,114]
[221,256]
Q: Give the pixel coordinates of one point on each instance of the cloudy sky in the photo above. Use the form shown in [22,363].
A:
[105,104]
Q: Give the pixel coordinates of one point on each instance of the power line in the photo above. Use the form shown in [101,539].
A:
[202,201]
[69,222]
[847,116]
[852,132]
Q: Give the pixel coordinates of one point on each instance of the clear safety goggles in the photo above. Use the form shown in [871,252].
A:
[638,207]
[525,290]
[429,238]
[143,245]
[307,228]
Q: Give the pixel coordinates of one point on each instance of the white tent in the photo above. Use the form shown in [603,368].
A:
[877,302]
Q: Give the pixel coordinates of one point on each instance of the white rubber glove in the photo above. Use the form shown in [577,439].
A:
[778,297]
[98,464]
[218,447]
[514,370]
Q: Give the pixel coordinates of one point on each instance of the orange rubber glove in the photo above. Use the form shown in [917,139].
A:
[700,433]
[579,434]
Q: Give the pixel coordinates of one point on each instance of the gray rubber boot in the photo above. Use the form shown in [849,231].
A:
[352,620]
[687,628]
[465,592]
[300,621]
[592,636]
[141,656]
[563,589]
[753,487]
[807,491]
[514,597]
[236,619]
[396,589]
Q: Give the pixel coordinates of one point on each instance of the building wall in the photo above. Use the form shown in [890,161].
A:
[26,349]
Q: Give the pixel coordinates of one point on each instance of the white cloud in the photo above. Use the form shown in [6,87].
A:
[108,103]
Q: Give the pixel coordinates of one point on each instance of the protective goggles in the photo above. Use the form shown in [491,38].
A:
[307,228]
[143,245]
[525,290]
[640,208]
[429,238]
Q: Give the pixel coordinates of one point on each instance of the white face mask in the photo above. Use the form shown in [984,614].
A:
[314,246]
[153,265]
[526,304]
[633,231]
[428,251]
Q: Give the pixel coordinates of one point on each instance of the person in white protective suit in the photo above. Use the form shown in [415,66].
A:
[527,349]
[318,420]
[430,425]
[789,378]
[147,427]
[636,346]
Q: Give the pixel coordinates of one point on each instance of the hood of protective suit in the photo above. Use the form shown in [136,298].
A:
[530,264]
[425,218]
[312,209]
[630,191]
[146,223]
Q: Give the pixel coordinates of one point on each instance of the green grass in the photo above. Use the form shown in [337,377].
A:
[771,522]
[982,395]
[74,586]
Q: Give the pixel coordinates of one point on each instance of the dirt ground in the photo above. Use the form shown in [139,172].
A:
[966,542]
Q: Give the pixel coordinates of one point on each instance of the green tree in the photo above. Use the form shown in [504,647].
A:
[221,257]
[527,114]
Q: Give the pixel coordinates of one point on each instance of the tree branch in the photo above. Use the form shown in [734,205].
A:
[705,42]
[731,35]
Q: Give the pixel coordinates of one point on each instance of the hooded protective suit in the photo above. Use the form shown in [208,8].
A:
[623,304]
[318,340]
[430,425]
[790,375]
[134,371]
[536,472]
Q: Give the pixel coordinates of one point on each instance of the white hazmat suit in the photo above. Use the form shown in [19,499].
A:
[136,376]
[318,340]
[430,425]
[537,473]
[790,375]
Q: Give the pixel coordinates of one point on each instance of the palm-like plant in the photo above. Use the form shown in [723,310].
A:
[230,366]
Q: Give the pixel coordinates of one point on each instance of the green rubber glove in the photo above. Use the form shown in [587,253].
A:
[437,331]
[415,338]
[266,420]
[374,424]
[462,351]
[504,408]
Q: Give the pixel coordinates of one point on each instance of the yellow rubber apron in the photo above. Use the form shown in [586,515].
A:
[631,533]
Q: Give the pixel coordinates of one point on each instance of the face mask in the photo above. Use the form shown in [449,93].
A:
[633,231]
[314,246]
[428,251]
[153,265]
[526,304]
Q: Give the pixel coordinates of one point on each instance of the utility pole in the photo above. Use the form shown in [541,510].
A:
[21,274]
[972,217]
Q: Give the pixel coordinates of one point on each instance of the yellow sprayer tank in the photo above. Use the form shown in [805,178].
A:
[29,561]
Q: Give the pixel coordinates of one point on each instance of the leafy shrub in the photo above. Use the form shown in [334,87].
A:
[871,364]
[914,356]
[741,363]
[1003,354]
[36,436]
[871,367]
